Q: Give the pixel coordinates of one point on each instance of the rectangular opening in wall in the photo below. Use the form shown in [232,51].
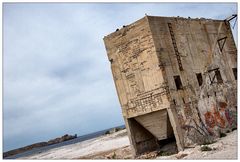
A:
[174,101]
[199,78]
[218,76]
[235,73]
[178,82]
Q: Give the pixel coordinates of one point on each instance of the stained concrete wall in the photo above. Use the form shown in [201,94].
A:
[139,81]
[134,63]
[211,107]
[145,59]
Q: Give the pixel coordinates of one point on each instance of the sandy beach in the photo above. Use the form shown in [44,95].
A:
[86,148]
[117,146]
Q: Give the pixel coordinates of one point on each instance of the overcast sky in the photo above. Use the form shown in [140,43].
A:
[57,77]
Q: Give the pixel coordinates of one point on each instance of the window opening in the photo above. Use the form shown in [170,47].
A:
[235,73]
[219,77]
[199,78]
[216,78]
[178,82]
[174,102]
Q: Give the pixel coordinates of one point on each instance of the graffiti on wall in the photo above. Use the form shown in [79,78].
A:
[229,116]
[209,119]
[219,117]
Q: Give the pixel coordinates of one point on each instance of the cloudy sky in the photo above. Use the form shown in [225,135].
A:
[57,77]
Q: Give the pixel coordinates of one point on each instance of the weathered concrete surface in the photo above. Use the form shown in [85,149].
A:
[184,67]
[156,123]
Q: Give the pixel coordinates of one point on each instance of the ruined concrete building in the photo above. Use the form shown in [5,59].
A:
[175,78]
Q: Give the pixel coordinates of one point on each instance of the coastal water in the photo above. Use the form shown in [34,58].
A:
[69,142]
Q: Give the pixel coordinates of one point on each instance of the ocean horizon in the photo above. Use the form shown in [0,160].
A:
[69,142]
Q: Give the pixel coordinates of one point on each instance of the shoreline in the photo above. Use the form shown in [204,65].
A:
[117,146]
[79,150]
[33,146]
[55,143]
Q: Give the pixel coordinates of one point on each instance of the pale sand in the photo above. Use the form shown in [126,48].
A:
[116,146]
[224,148]
[92,146]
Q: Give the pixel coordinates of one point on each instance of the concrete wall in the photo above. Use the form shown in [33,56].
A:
[150,55]
[207,109]
[134,63]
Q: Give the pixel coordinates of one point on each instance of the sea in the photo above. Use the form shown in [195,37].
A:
[69,142]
